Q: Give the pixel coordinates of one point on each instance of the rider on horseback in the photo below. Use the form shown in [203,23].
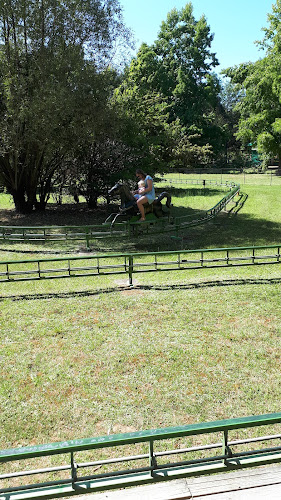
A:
[147,193]
[129,204]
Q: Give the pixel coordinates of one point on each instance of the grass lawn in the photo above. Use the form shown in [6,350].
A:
[90,356]
[257,223]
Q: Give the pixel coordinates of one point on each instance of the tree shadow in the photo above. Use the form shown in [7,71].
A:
[239,230]
[58,215]
[183,192]
[225,230]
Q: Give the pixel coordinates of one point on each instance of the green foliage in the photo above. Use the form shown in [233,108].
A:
[52,87]
[171,94]
[230,95]
[272,38]
[260,108]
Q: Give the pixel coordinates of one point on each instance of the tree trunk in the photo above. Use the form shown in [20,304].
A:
[92,200]
[21,205]
[40,205]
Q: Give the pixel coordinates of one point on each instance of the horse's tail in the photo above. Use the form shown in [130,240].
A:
[164,194]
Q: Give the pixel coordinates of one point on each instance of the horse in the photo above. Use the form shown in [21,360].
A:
[129,203]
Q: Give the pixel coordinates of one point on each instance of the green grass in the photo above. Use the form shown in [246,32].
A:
[148,357]
[257,223]
[84,357]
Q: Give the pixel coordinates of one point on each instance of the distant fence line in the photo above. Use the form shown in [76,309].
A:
[129,264]
[270,177]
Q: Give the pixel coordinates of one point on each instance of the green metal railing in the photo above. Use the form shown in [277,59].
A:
[150,450]
[61,233]
[132,263]
[124,228]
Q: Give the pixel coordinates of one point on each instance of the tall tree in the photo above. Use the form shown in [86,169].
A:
[172,80]
[54,60]
[230,95]
[260,108]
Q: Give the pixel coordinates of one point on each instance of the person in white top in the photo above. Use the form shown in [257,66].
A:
[147,192]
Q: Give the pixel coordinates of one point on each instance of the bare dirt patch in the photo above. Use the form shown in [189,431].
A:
[126,289]
[58,215]
[132,291]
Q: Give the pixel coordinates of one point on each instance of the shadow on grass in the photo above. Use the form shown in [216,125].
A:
[80,214]
[183,192]
[164,287]
[58,215]
[240,230]
[226,230]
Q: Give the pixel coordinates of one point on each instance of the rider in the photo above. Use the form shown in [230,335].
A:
[141,186]
[147,193]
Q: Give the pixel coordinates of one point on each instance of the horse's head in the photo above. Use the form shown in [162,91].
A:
[115,189]
[123,190]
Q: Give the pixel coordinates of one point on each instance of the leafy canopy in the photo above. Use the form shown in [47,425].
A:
[55,81]
[260,108]
[172,91]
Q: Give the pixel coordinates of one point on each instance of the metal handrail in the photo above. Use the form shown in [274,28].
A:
[154,470]
[124,228]
[132,263]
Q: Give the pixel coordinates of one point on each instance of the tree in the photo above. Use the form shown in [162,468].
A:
[260,108]
[230,95]
[171,87]
[183,52]
[143,115]
[55,60]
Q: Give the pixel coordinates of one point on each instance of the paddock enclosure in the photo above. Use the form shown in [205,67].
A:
[150,364]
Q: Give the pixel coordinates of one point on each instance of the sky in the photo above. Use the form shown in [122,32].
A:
[236,24]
